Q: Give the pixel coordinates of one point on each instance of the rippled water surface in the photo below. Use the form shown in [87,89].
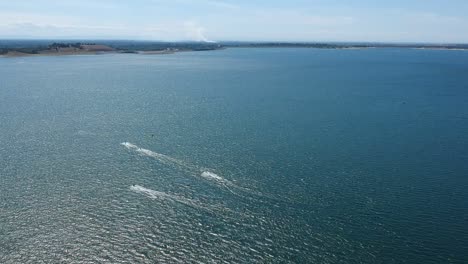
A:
[235,156]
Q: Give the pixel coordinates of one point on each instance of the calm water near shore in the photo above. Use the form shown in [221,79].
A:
[235,156]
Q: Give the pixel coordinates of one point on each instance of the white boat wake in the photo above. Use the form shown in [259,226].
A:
[196,171]
[162,196]
[200,172]
[156,195]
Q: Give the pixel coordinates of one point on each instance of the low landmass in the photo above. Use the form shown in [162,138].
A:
[15,48]
[344,45]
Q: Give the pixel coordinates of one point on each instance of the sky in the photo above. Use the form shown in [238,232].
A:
[435,21]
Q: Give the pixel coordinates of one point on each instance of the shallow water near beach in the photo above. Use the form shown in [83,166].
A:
[235,156]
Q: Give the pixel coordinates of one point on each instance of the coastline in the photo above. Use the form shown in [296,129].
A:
[16,54]
[454,49]
[22,54]
[32,49]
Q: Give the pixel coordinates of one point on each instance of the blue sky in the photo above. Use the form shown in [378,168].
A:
[440,21]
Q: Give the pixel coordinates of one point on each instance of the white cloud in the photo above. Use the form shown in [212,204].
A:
[222,20]
[27,25]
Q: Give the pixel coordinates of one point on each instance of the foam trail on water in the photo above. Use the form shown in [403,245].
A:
[164,196]
[212,176]
[129,145]
[204,173]
[150,193]
[158,156]
[157,195]
[232,187]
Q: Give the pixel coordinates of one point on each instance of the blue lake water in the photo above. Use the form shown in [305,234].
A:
[235,156]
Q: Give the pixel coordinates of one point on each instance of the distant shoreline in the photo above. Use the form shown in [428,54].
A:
[454,49]
[155,52]
[44,48]
[32,49]
[21,54]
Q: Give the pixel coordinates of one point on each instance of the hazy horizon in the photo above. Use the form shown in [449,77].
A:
[414,21]
[98,40]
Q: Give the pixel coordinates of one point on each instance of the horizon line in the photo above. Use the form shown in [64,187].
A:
[235,41]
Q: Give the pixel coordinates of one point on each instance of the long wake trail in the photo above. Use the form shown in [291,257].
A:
[157,156]
[157,195]
[162,196]
[200,172]
[194,170]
